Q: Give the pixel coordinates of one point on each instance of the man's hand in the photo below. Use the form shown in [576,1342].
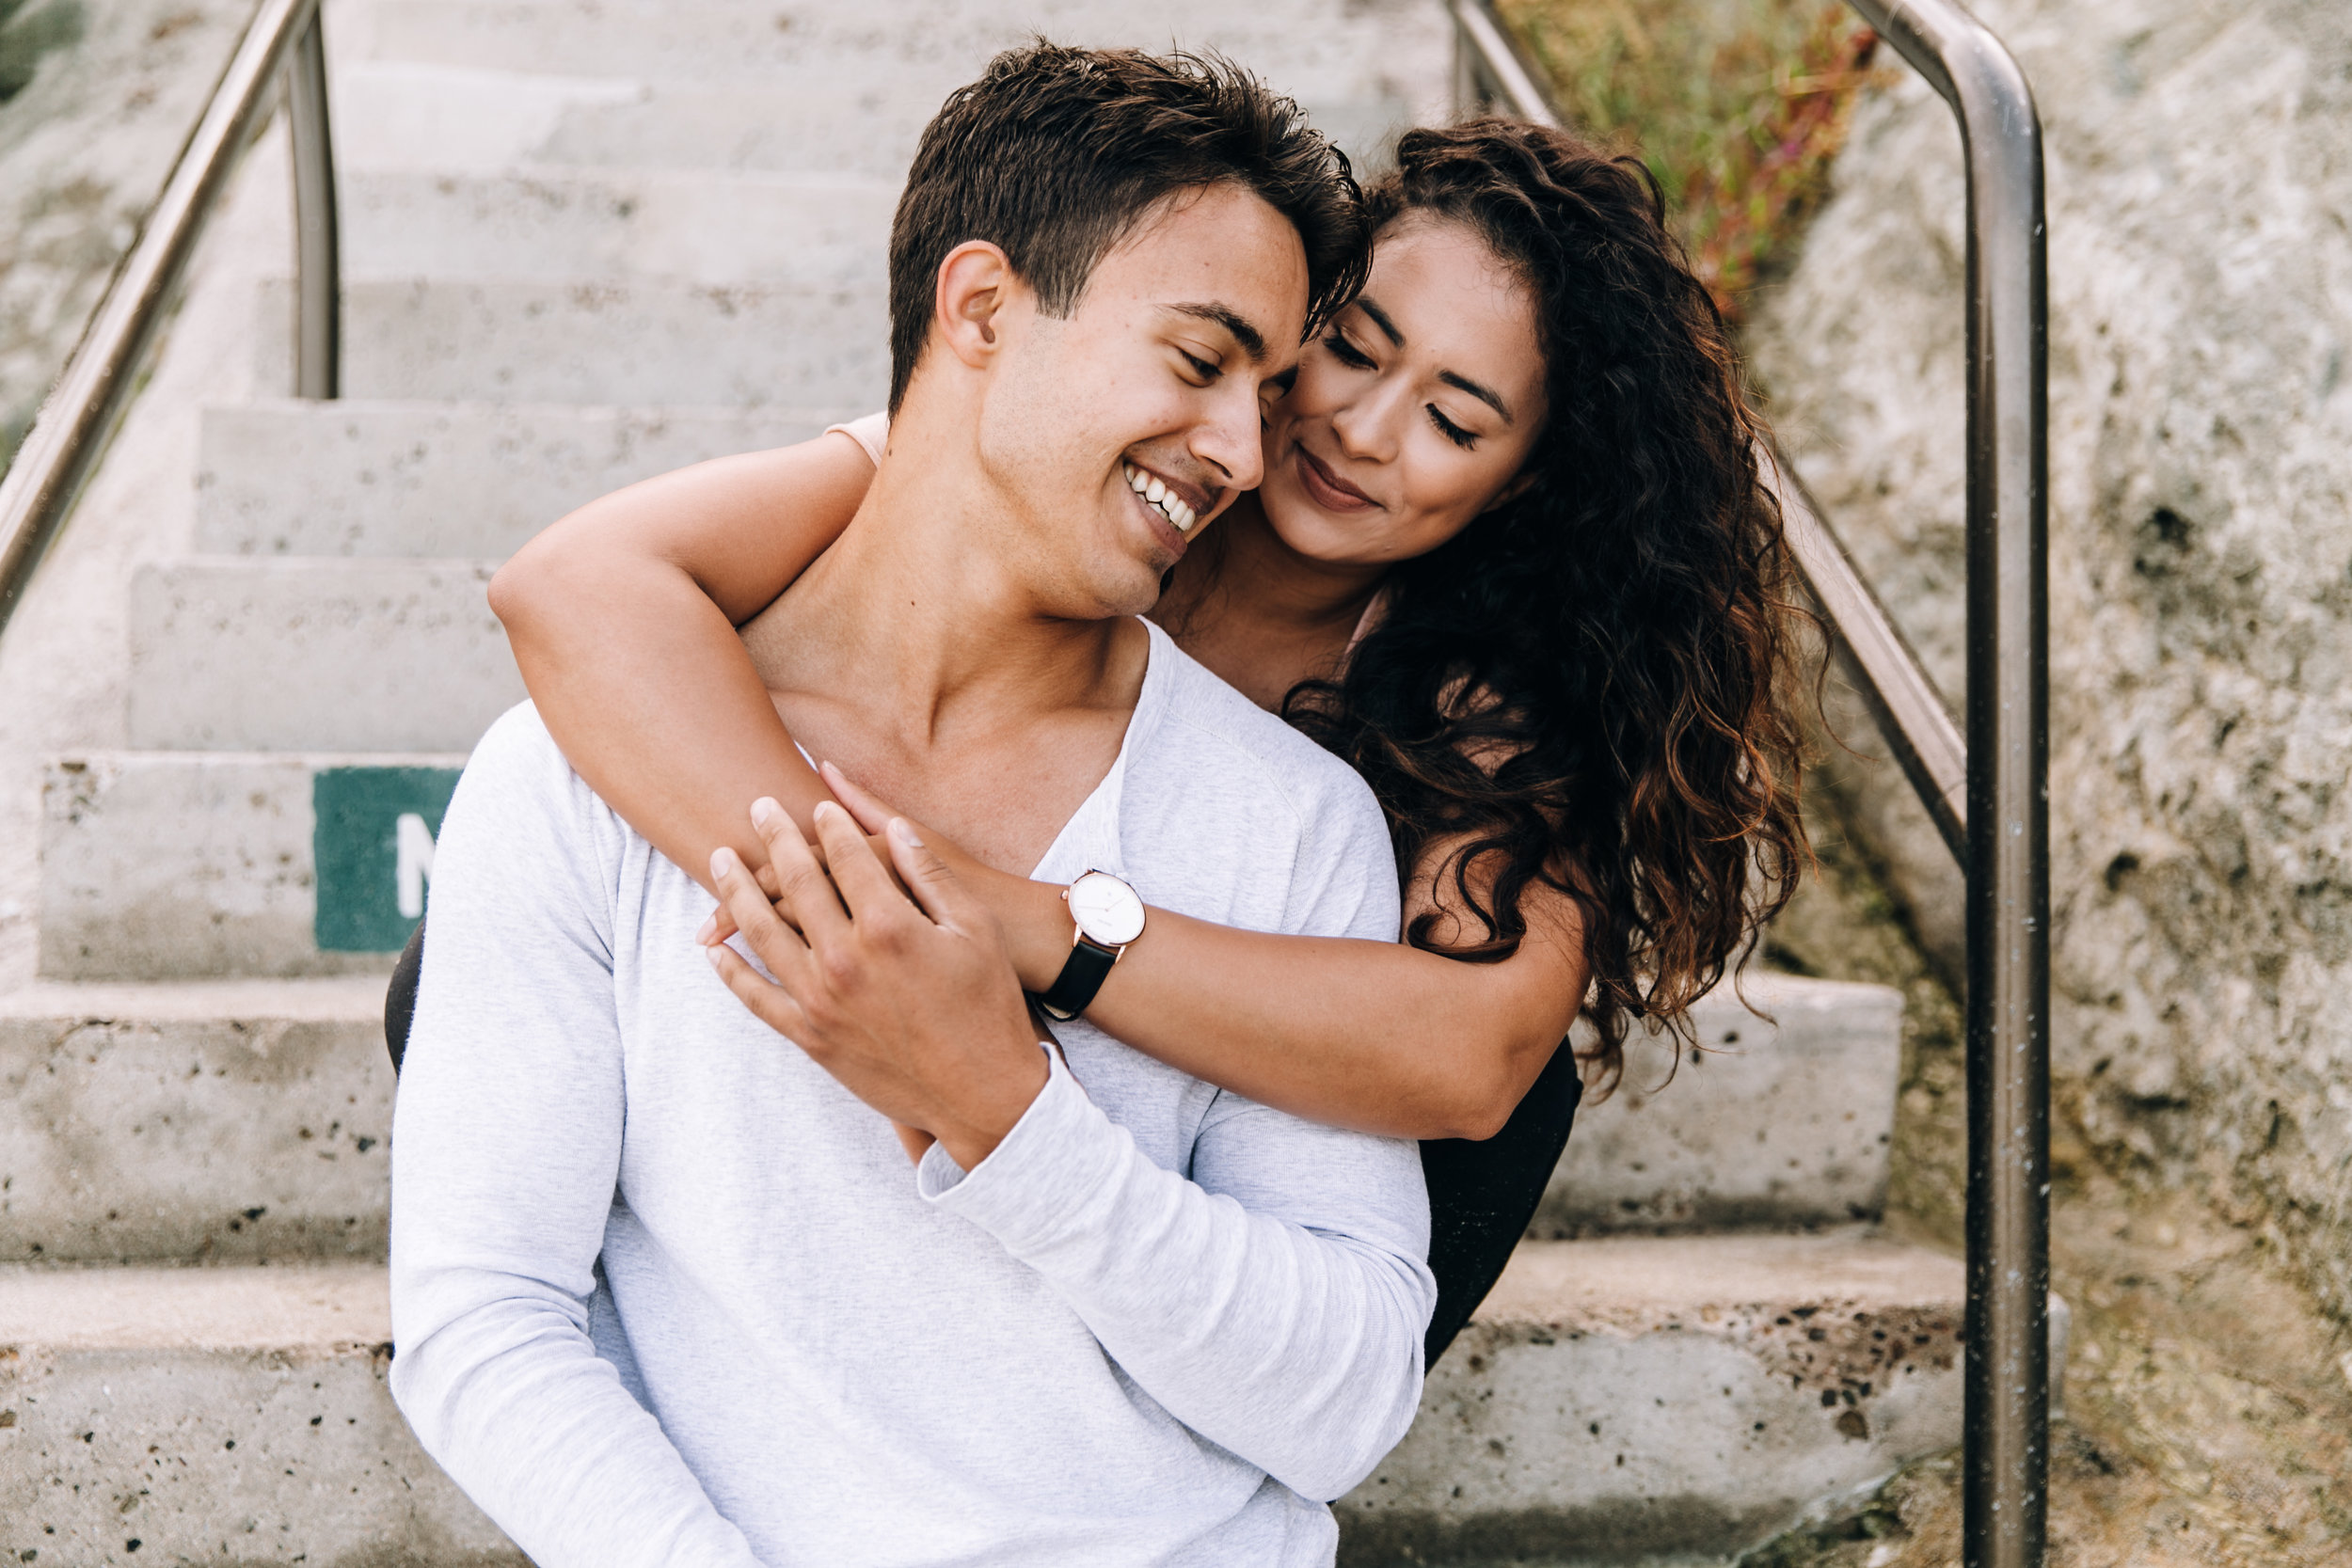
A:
[914,1010]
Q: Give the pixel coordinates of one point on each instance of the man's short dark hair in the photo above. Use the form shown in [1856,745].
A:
[1054,154]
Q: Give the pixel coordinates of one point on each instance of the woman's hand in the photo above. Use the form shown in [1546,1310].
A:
[909,1004]
[1035,921]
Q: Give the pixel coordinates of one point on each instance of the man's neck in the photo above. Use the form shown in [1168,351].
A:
[916,657]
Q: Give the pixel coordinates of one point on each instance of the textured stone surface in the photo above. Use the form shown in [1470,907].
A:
[1618,1398]
[1777,1121]
[194,1122]
[2201,269]
[220,1415]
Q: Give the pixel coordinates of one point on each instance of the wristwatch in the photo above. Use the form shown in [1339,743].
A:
[1108,916]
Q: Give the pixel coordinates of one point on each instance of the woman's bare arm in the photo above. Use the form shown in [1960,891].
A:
[622,617]
[1373,1035]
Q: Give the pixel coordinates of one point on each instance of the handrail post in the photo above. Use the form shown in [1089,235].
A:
[2006,1381]
[318,267]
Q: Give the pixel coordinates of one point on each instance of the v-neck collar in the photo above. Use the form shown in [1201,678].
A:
[1089,840]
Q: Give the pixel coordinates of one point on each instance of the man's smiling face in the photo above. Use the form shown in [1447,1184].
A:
[1156,380]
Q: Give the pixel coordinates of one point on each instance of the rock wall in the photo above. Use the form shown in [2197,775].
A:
[2199,163]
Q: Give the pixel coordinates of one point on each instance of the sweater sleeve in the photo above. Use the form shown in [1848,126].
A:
[1275,1301]
[506,1150]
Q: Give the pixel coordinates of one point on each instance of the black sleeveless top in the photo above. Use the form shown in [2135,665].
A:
[1482,1195]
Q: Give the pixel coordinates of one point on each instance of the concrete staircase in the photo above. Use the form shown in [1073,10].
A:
[588,241]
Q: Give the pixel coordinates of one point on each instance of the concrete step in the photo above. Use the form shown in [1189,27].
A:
[607,343]
[198,1121]
[234,654]
[1776,1122]
[1624,1398]
[1284,40]
[231,1415]
[852,115]
[353,478]
[833,117]
[150,1122]
[160,865]
[824,230]
[1615,1399]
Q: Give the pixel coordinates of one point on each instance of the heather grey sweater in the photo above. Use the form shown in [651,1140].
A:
[1159,1325]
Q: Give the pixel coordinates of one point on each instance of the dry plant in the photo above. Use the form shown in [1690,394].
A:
[1737,107]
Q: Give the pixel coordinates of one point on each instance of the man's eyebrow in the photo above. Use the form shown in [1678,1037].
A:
[1487,395]
[1252,341]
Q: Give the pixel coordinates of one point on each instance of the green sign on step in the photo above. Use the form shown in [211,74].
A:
[373,847]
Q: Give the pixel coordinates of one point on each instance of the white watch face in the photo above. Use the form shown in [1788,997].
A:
[1106,909]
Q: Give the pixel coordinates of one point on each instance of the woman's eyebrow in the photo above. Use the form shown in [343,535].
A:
[1487,395]
[1380,319]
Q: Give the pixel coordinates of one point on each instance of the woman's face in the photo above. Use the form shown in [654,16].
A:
[1415,410]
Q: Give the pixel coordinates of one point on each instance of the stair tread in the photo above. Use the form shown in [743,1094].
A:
[277,1305]
[1635,1283]
[1622,1283]
[329,998]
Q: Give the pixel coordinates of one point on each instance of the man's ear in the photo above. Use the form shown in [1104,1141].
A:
[976,283]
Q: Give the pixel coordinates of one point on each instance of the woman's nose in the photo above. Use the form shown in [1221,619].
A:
[1367,425]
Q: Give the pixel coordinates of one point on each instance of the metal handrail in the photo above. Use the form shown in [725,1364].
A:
[82,411]
[2005,759]
[2007,1375]
[1912,713]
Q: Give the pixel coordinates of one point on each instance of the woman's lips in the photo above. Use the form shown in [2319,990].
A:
[1327,489]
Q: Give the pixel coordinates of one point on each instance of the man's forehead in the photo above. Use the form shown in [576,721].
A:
[1223,256]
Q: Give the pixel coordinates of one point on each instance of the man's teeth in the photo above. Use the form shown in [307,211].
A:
[1155,493]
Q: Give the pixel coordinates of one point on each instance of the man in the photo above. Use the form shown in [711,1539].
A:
[1114,1315]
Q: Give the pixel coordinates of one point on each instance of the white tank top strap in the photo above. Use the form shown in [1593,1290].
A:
[871,433]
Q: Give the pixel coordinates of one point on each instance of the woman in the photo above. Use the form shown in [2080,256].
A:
[1510,560]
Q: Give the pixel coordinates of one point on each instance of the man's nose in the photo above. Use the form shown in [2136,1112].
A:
[1228,439]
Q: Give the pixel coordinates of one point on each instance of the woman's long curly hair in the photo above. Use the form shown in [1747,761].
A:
[1590,684]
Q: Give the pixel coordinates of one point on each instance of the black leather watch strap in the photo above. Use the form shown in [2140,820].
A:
[1082,976]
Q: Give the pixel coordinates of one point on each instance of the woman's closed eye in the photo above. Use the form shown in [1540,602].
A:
[1451,431]
[1344,351]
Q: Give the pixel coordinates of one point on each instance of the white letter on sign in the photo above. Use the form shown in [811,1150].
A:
[414,842]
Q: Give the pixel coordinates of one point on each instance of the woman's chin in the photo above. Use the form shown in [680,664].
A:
[1327,541]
